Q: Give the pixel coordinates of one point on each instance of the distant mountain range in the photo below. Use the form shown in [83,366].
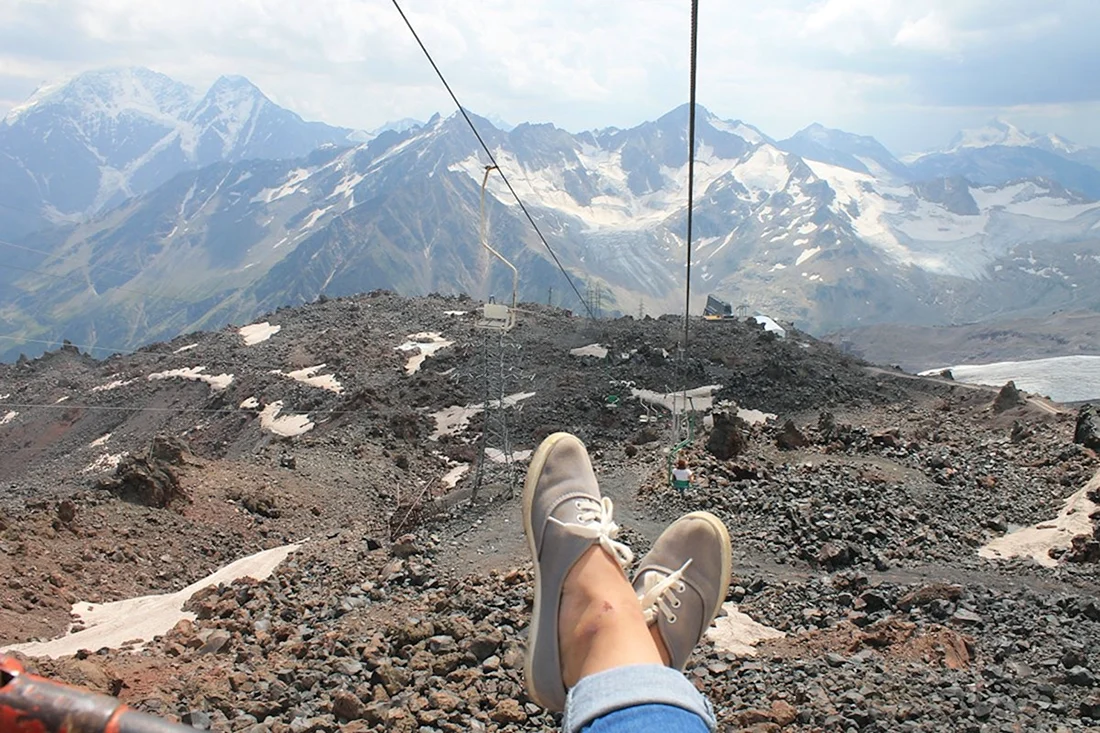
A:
[238,207]
[74,150]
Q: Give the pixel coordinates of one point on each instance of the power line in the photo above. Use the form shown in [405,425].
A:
[493,160]
[131,353]
[180,410]
[86,347]
[95,266]
[116,287]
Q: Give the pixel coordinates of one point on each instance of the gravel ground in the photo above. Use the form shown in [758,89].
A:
[856,526]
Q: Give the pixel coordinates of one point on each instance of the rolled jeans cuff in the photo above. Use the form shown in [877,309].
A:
[623,687]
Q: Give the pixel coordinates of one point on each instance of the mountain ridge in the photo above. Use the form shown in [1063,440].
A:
[80,148]
[816,229]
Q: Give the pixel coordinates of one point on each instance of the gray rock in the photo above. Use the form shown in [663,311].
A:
[1081,677]
[197,719]
[216,642]
[964,617]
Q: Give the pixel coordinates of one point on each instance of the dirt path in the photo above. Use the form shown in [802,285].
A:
[1041,403]
[490,537]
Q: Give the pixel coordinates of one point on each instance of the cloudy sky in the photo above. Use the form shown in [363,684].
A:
[909,72]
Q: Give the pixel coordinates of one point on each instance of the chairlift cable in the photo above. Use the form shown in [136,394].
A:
[493,160]
[690,206]
[691,165]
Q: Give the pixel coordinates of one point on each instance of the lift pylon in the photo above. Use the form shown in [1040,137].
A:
[496,464]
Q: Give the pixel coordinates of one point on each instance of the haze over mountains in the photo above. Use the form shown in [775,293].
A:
[143,209]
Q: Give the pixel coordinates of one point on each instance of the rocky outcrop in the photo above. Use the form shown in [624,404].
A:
[1008,398]
[1087,432]
[727,438]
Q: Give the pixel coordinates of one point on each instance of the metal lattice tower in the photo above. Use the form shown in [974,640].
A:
[496,464]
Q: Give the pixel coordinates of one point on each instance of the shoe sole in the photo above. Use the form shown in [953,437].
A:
[534,472]
[727,558]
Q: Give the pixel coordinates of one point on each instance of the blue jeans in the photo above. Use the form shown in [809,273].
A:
[637,699]
[647,718]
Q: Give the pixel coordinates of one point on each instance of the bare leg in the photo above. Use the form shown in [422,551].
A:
[655,634]
[600,622]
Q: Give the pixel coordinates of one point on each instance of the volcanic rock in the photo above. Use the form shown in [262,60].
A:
[1008,398]
[790,437]
[727,437]
[1087,432]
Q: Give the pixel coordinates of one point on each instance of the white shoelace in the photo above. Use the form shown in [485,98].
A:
[660,594]
[594,522]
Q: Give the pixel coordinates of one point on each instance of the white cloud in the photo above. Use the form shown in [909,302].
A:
[928,33]
[580,64]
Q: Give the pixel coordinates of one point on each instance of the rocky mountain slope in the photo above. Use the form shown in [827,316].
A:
[825,244]
[81,147]
[857,515]
[826,229]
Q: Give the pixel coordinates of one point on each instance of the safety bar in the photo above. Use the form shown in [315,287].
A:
[32,704]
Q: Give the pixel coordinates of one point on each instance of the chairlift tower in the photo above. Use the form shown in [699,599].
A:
[496,465]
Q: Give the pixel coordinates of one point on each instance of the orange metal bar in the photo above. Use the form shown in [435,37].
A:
[32,704]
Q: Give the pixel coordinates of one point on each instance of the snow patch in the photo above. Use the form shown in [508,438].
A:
[106,462]
[7,418]
[770,325]
[314,216]
[285,425]
[309,376]
[182,349]
[100,441]
[700,399]
[452,477]
[1058,533]
[596,350]
[755,417]
[250,404]
[423,345]
[1062,378]
[806,254]
[496,455]
[112,624]
[113,385]
[291,185]
[455,313]
[453,420]
[258,333]
[738,634]
[62,399]
[195,374]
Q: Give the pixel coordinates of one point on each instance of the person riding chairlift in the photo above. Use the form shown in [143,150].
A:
[681,476]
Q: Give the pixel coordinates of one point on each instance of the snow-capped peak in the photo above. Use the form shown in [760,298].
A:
[110,92]
[1060,144]
[996,132]
[403,125]
[748,133]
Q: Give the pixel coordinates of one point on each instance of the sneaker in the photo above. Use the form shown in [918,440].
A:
[563,516]
[682,582]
